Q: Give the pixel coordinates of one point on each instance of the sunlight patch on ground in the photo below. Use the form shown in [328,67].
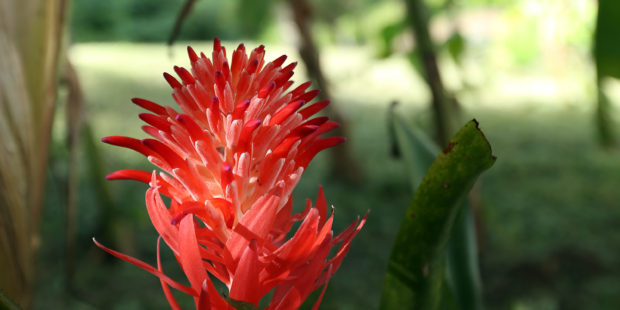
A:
[354,75]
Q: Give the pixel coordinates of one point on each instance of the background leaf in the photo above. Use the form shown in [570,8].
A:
[456,46]
[415,146]
[388,33]
[462,270]
[606,43]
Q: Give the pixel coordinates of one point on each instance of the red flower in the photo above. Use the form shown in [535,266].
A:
[229,162]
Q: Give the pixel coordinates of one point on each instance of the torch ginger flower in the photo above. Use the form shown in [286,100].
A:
[230,160]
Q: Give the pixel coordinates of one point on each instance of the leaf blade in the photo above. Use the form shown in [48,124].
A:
[420,245]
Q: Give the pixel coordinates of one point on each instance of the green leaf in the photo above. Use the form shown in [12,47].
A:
[388,33]
[456,46]
[415,270]
[416,147]
[606,42]
[462,269]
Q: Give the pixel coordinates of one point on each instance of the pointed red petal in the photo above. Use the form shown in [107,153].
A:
[263,92]
[279,61]
[256,224]
[240,108]
[195,132]
[313,109]
[161,218]
[192,54]
[283,78]
[189,254]
[305,158]
[245,281]
[156,121]
[321,205]
[289,67]
[238,60]
[130,174]
[226,69]
[318,301]
[148,268]
[174,83]
[185,76]
[245,137]
[171,300]
[300,89]
[252,66]
[285,112]
[290,300]
[220,80]
[129,143]
[307,97]
[149,105]
[204,301]
[317,121]
[217,45]
[165,152]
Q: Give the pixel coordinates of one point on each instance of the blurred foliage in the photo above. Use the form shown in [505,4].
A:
[330,11]
[455,46]
[152,20]
[253,16]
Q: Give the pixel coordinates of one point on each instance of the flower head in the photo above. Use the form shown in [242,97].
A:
[229,160]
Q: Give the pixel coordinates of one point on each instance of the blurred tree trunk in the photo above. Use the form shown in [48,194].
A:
[74,113]
[178,22]
[343,164]
[30,41]
[447,120]
[443,103]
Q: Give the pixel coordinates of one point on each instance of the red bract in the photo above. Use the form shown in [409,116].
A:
[229,162]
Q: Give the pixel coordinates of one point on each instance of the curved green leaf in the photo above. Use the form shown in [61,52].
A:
[416,267]
[463,289]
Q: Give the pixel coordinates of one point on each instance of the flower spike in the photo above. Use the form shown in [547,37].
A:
[229,159]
